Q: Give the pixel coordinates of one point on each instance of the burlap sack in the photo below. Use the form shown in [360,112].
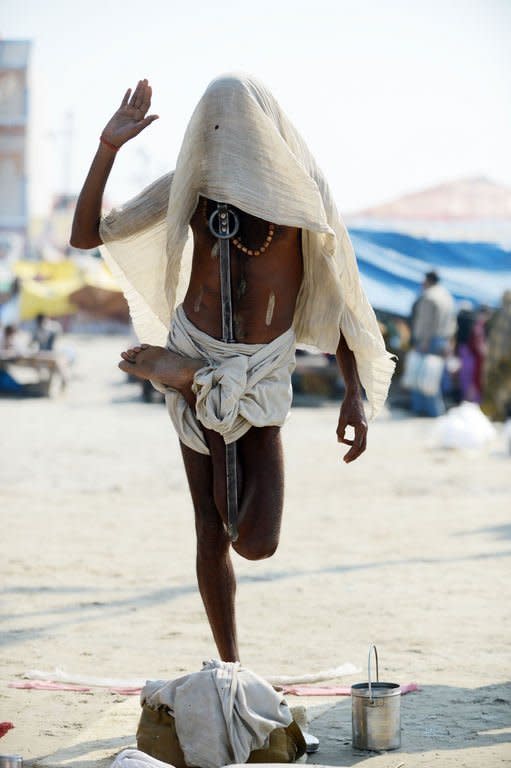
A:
[157,737]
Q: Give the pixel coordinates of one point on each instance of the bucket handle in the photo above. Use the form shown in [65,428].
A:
[371,649]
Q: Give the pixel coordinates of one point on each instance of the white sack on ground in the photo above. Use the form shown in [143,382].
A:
[464,426]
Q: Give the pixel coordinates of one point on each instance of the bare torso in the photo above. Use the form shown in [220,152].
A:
[264,287]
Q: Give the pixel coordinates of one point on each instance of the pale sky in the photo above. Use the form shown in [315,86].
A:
[391,96]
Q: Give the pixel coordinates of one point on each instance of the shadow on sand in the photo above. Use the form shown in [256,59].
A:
[81,755]
[81,612]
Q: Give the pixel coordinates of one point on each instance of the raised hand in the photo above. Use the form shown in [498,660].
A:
[130,119]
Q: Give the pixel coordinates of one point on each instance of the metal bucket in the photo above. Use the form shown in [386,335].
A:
[11,761]
[375,712]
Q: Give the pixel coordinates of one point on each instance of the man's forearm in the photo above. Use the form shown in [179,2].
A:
[348,366]
[85,229]
[128,121]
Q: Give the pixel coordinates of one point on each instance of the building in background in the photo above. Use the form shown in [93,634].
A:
[14,118]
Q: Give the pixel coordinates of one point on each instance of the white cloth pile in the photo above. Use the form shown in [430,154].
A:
[240,148]
[222,713]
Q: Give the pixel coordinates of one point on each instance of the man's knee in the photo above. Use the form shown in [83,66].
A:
[255,549]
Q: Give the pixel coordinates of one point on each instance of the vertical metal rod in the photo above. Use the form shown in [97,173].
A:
[220,226]
[231,476]
[225,284]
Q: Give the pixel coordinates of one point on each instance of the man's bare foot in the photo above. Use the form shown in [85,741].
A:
[161,365]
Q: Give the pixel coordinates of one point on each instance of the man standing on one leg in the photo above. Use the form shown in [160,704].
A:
[294,277]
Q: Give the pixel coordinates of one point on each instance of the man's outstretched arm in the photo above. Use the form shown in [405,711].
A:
[352,409]
[128,121]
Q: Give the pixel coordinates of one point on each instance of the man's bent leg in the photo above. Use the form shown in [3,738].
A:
[261,489]
[215,573]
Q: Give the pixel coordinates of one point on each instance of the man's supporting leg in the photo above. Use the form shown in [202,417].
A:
[261,495]
[215,574]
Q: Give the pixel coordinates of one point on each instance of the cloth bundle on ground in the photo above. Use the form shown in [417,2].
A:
[240,148]
[220,715]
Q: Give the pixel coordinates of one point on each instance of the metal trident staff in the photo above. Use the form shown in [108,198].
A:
[224,224]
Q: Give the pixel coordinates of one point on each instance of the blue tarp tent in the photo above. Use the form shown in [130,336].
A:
[393,265]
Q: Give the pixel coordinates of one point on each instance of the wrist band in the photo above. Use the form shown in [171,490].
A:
[108,144]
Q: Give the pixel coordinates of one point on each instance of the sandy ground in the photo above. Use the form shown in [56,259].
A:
[409,547]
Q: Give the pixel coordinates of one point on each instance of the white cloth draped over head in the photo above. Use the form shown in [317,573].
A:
[240,148]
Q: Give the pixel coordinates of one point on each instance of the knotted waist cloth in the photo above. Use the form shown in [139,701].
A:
[239,386]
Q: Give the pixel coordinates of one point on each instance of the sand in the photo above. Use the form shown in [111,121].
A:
[409,548]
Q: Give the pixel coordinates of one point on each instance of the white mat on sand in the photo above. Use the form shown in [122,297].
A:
[61,676]
[314,677]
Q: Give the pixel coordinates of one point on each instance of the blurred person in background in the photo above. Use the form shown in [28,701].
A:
[45,333]
[10,309]
[11,347]
[17,348]
[12,343]
[496,399]
[433,325]
[471,348]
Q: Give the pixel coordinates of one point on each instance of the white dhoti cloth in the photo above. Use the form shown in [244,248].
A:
[240,386]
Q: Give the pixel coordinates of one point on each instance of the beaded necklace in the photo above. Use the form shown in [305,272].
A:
[237,241]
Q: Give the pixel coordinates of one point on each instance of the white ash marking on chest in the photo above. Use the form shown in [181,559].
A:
[198,300]
[270,308]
